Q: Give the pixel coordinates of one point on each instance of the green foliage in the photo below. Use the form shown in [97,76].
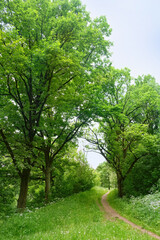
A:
[74,177]
[36,193]
[70,174]
[107,175]
[128,120]
[55,78]
[144,177]
[143,210]
[155,187]
[49,50]
[76,217]
[8,186]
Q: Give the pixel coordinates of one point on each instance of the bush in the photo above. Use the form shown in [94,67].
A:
[74,178]
[143,210]
[143,177]
[8,187]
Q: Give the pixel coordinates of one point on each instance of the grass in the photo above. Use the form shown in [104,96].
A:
[144,210]
[74,218]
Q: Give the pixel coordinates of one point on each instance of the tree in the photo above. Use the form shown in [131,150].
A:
[45,46]
[126,113]
[52,144]
[72,111]
[107,175]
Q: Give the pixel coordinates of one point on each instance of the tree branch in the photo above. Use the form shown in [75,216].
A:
[10,150]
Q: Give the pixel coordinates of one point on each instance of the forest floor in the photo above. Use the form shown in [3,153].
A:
[111,215]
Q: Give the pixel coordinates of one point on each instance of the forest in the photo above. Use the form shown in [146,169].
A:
[58,85]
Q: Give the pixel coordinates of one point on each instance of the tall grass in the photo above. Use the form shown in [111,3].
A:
[74,218]
[143,210]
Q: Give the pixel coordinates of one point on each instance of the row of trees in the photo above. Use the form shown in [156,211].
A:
[70,174]
[55,81]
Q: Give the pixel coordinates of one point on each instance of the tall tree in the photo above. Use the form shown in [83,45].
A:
[126,113]
[45,46]
[72,111]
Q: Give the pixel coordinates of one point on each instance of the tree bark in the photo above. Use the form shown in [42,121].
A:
[47,176]
[120,181]
[24,177]
[47,184]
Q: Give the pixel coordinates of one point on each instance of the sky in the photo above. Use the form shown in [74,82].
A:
[135,35]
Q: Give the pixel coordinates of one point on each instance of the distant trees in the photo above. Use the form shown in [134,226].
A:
[107,175]
[74,174]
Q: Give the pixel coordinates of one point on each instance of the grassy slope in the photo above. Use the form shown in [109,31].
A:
[144,211]
[74,218]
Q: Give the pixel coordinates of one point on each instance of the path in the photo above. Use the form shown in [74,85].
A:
[111,214]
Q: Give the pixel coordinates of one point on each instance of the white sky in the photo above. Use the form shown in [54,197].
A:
[135,33]
[136,37]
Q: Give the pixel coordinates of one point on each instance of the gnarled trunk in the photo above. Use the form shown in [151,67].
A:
[24,177]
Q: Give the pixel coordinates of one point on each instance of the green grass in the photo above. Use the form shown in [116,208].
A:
[74,218]
[144,210]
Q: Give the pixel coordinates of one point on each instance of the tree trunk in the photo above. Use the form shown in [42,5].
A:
[47,176]
[120,181]
[47,183]
[21,204]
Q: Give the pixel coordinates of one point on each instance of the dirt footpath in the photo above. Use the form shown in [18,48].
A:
[111,214]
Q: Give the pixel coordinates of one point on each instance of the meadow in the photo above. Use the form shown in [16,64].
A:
[77,217]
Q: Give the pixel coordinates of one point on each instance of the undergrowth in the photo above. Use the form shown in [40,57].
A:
[143,210]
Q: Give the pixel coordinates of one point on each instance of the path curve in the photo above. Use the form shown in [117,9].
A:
[111,214]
